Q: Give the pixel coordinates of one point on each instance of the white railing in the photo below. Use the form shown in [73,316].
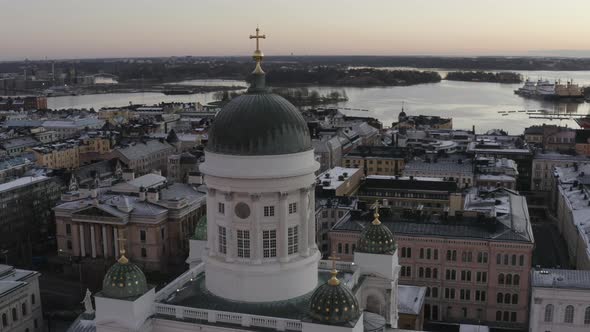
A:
[180,282]
[213,316]
[341,266]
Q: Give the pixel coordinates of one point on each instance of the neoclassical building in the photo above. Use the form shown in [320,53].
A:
[256,265]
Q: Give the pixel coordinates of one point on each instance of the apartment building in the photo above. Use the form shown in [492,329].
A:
[376,160]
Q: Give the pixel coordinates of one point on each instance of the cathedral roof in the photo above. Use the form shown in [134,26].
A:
[333,303]
[124,280]
[376,238]
[259,123]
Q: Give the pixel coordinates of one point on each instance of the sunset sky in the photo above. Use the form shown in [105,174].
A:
[36,29]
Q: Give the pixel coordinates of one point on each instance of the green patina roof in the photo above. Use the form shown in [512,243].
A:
[333,303]
[376,238]
[201,229]
[259,123]
[124,280]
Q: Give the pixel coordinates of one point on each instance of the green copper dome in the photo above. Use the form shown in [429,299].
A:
[333,303]
[376,238]
[259,123]
[124,280]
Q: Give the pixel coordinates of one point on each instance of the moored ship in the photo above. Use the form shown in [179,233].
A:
[543,89]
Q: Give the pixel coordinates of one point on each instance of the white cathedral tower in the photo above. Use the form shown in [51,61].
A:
[259,169]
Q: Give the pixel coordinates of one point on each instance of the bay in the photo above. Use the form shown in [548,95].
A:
[468,103]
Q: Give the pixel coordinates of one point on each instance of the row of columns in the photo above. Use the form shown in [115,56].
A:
[306,229]
[93,247]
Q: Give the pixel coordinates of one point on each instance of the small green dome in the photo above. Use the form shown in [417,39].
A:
[124,280]
[376,238]
[333,303]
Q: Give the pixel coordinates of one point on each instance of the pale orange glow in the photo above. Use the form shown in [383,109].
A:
[70,28]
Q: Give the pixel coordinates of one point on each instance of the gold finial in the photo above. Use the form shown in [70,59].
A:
[122,241]
[258,55]
[334,280]
[376,221]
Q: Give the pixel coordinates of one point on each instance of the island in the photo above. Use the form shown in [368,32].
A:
[482,76]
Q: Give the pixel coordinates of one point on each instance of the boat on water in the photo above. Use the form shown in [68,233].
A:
[543,89]
[177,92]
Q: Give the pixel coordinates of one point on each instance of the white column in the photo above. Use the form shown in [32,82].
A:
[304,224]
[82,245]
[255,244]
[104,241]
[92,241]
[115,237]
[311,219]
[211,229]
[230,232]
[282,232]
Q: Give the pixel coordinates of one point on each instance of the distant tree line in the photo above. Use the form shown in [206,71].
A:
[334,76]
[481,76]
[300,96]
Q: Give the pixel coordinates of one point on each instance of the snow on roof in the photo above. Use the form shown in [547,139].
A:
[411,299]
[334,175]
[24,181]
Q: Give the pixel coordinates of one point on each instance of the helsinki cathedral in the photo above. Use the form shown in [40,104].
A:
[255,265]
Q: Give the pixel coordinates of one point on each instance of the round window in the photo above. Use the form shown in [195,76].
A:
[242,210]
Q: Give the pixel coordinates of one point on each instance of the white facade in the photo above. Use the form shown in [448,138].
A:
[562,308]
[20,301]
[261,226]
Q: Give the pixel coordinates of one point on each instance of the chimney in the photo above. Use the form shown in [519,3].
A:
[142,194]
[153,195]
[128,174]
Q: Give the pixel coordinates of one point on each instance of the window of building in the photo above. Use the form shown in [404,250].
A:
[428,253]
[269,243]
[514,298]
[434,292]
[222,239]
[269,211]
[33,299]
[501,278]
[507,298]
[324,214]
[162,232]
[505,259]
[500,298]
[69,244]
[243,243]
[435,254]
[293,240]
[435,273]
[421,272]
[421,253]
[513,260]
[143,252]
[499,259]
[292,208]
[4,320]
[505,316]
[569,314]
[142,235]
[68,229]
[465,294]
[339,248]
[587,316]
[14,314]
[24,309]
[221,208]
[465,275]
[548,313]
[521,260]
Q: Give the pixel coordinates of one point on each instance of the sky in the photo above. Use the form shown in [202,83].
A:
[36,29]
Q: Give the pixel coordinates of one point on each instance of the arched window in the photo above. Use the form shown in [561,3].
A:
[427,291]
[428,253]
[4,320]
[33,299]
[521,260]
[24,309]
[428,273]
[404,252]
[501,278]
[587,316]
[498,316]
[513,262]
[549,313]
[514,298]
[339,248]
[435,273]
[499,261]
[499,298]
[516,280]
[421,272]
[509,279]
[346,248]
[14,316]
[569,314]
[507,298]
[506,316]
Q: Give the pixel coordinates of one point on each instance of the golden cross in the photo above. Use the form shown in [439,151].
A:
[122,241]
[333,258]
[257,36]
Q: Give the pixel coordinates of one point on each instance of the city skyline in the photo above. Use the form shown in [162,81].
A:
[71,29]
